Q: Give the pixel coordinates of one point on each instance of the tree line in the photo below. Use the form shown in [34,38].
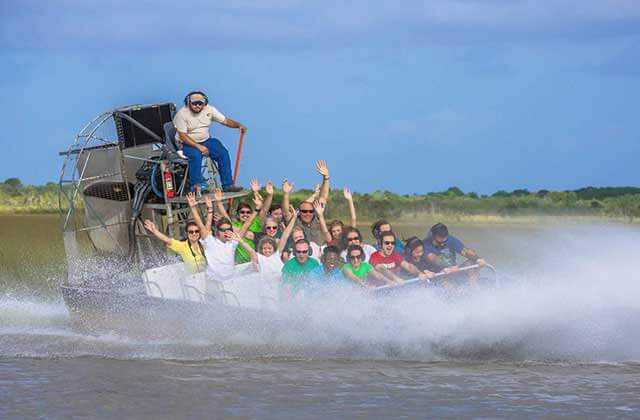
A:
[594,201]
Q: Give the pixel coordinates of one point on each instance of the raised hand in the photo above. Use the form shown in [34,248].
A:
[191,199]
[293,211]
[257,200]
[217,194]
[269,187]
[255,185]
[234,235]
[287,187]
[150,226]
[216,216]
[229,235]
[347,194]
[207,201]
[322,168]
[319,207]
[316,191]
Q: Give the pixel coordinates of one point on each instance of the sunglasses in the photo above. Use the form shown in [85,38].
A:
[353,238]
[197,103]
[271,228]
[302,251]
[306,211]
[389,242]
[245,212]
[355,257]
[193,231]
[223,230]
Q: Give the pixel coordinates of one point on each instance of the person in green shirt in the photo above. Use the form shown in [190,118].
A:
[301,270]
[359,271]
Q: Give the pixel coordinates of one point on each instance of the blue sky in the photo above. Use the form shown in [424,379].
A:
[411,96]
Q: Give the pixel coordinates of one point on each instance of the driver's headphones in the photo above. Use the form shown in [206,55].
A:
[187,99]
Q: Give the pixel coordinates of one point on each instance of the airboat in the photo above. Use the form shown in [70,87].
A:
[123,167]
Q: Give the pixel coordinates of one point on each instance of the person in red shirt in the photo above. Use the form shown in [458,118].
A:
[389,263]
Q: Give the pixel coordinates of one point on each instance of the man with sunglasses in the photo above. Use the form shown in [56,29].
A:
[192,124]
[307,219]
[441,249]
[300,270]
[388,262]
[219,246]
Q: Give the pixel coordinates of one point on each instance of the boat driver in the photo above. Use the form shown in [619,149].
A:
[192,123]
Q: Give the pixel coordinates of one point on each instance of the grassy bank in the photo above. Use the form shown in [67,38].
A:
[620,203]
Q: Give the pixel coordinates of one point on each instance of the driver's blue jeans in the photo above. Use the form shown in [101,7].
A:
[218,153]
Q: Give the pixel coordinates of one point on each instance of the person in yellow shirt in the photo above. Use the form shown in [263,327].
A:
[191,249]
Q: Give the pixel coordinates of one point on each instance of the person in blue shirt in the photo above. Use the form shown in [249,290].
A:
[441,250]
[332,265]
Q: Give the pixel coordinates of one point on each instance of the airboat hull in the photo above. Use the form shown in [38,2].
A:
[138,313]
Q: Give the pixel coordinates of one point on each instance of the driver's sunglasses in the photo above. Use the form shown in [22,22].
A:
[302,251]
[223,230]
[193,231]
[245,212]
[389,242]
[197,103]
[306,211]
[355,257]
[271,228]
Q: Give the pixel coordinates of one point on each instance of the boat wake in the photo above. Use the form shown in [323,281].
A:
[578,314]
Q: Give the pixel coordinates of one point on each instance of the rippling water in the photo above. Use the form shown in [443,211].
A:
[558,338]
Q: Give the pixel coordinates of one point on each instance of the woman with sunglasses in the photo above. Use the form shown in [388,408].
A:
[359,271]
[190,250]
[352,236]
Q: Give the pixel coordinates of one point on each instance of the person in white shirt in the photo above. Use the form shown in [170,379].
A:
[192,124]
[220,248]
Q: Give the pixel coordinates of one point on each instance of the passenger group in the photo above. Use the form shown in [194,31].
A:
[296,247]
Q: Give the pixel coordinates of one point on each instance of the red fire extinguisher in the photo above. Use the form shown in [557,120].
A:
[168,183]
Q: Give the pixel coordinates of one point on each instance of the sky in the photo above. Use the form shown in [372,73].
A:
[411,96]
